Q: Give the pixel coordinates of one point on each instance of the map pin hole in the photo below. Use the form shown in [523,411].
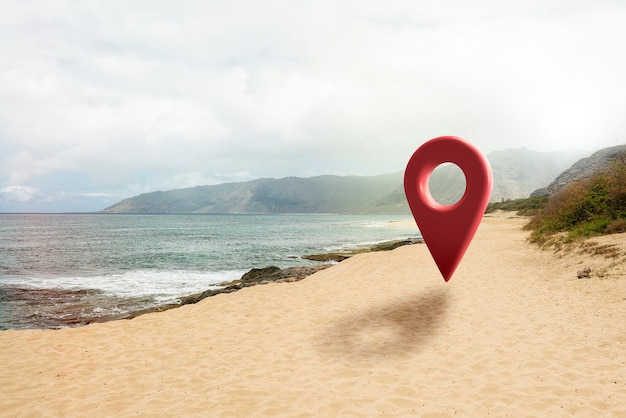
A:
[447,183]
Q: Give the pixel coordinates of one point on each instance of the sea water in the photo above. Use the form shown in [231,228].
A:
[68,269]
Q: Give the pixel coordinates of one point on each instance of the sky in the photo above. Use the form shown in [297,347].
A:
[100,101]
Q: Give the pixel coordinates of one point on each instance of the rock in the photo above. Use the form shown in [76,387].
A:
[383,246]
[392,245]
[252,278]
[584,273]
[258,275]
[299,273]
[327,257]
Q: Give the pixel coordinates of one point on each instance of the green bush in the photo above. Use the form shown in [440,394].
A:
[528,206]
[594,206]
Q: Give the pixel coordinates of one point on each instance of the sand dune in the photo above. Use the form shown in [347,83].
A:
[513,333]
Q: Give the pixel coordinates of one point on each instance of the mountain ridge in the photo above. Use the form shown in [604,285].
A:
[583,168]
[324,193]
[516,173]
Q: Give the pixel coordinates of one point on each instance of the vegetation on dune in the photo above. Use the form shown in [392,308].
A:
[527,206]
[594,206]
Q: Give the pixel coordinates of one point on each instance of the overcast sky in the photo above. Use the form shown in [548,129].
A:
[104,100]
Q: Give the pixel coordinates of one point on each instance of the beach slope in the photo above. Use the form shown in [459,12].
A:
[514,332]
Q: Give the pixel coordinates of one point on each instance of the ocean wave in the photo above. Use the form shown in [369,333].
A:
[161,285]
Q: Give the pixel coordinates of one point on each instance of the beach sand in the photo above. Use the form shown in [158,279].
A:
[514,333]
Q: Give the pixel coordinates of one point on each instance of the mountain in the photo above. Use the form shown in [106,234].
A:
[321,194]
[583,168]
[516,173]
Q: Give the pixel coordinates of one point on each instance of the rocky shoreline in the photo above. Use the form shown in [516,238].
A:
[63,308]
[342,255]
[273,274]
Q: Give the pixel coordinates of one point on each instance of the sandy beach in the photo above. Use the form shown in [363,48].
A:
[514,333]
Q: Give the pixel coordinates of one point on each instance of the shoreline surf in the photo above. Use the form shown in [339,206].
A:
[66,270]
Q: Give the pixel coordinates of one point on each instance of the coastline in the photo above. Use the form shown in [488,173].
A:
[514,332]
[105,268]
[270,274]
[75,308]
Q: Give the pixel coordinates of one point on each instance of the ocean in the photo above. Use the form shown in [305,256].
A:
[59,270]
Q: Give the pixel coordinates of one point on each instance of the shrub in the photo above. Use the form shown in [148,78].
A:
[594,206]
[528,206]
[616,226]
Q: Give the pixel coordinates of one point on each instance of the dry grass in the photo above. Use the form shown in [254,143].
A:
[587,208]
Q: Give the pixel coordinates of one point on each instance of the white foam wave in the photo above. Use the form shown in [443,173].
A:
[160,285]
[375,224]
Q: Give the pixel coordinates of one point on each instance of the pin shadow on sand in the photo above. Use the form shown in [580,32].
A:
[392,330]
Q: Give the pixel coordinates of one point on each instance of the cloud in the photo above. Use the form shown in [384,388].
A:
[119,98]
[19,193]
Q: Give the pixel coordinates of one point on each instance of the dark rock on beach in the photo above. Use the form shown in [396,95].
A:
[325,257]
[392,245]
[259,276]
[584,273]
[342,255]
[275,274]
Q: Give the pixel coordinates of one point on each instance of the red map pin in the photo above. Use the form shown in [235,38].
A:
[448,230]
